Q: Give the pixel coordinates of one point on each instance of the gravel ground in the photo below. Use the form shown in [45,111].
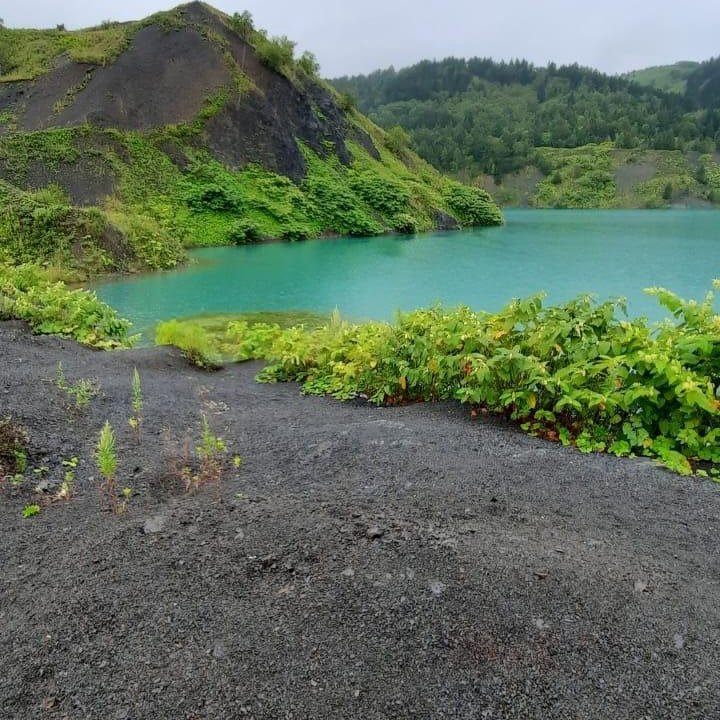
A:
[362,563]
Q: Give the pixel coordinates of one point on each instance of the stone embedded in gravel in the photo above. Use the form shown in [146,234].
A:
[154,524]
[348,572]
[640,586]
[219,651]
[375,533]
[437,588]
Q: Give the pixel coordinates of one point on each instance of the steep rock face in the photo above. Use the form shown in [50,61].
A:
[163,78]
[166,76]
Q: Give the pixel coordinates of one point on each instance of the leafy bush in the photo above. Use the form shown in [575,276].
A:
[576,372]
[405,224]
[52,309]
[242,24]
[347,102]
[386,196]
[43,225]
[334,201]
[277,52]
[214,197]
[243,232]
[308,63]
[471,205]
[194,342]
[296,232]
[397,140]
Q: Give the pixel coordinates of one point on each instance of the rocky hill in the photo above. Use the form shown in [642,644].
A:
[122,144]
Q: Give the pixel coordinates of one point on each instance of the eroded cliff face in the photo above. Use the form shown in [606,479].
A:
[166,77]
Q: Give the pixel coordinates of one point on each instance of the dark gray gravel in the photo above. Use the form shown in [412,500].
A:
[363,563]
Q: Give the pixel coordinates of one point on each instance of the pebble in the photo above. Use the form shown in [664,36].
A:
[154,524]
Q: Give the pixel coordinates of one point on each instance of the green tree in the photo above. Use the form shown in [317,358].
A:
[396,139]
[308,63]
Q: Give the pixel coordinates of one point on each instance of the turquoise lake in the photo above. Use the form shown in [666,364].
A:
[561,252]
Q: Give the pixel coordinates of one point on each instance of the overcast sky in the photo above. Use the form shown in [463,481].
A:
[361,36]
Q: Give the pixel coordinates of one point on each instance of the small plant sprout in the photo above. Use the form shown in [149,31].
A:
[67,485]
[126,495]
[20,461]
[106,458]
[60,380]
[82,392]
[30,511]
[137,404]
[237,461]
[209,453]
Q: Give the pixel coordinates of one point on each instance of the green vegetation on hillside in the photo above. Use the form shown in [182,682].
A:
[479,117]
[601,176]
[670,78]
[577,373]
[160,207]
[164,188]
[27,54]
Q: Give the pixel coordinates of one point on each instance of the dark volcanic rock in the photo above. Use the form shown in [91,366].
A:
[162,79]
[443,221]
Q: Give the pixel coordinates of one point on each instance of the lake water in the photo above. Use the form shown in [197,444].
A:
[562,252]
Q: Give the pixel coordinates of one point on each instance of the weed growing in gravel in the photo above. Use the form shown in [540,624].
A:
[106,458]
[135,421]
[126,493]
[67,486]
[210,451]
[30,511]
[13,452]
[82,392]
[210,464]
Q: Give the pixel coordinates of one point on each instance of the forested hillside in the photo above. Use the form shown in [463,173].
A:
[120,145]
[479,117]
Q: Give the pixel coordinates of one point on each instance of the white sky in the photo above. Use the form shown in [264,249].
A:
[358,37]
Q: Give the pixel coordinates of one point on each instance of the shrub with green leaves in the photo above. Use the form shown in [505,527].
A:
[243,232]
[51,308]
[42,225]
[579,372]
[194,342]
[275,52]
[471,205]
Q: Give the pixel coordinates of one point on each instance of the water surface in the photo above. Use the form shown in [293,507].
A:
[561,252]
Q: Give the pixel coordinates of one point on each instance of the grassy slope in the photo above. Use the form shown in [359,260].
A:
[602,176]
[27,54]
[671,78]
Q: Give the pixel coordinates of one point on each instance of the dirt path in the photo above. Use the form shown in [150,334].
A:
[363,563]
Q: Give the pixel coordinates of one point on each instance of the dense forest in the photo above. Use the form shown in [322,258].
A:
[479,116]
